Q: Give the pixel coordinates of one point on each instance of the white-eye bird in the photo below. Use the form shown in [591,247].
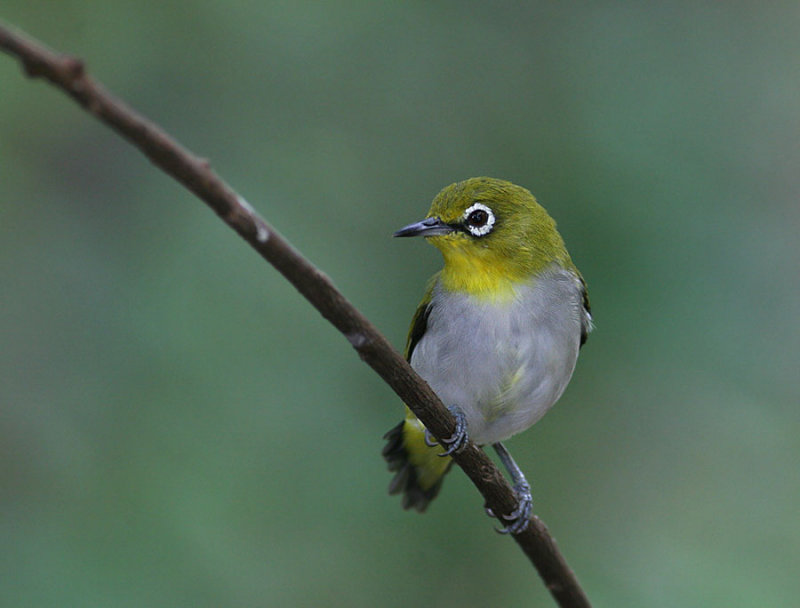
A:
[496,335]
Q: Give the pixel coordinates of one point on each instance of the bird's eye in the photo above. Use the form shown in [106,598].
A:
[479,219]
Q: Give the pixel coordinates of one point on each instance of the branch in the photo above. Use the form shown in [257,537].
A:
[68,74]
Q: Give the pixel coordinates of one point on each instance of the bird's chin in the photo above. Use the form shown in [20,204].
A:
[445,239]
[455,241]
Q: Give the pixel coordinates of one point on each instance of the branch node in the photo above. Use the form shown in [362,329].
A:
[32,69]
[240,199]
[488,473]
[357,339]
[73,66]
[262,234]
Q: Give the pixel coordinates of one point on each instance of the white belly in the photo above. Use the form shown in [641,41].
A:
[504,364]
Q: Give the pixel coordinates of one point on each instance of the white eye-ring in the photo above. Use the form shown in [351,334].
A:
[479,219]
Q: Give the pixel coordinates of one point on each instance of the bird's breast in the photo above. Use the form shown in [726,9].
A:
[503,363]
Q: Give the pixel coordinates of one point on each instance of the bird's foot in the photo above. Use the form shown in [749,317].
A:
[519,518]
[456,441]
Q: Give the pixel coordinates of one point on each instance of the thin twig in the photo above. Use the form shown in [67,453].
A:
[68,74]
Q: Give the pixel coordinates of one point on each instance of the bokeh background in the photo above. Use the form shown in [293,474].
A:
[179,428]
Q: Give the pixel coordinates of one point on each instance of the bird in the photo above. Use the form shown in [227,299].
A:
[496,335]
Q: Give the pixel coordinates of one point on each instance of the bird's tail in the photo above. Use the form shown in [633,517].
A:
[419,470]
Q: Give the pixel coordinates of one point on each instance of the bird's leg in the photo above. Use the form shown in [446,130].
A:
[519,518]
[457,440]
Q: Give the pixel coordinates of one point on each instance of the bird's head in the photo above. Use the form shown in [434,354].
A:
[491,233]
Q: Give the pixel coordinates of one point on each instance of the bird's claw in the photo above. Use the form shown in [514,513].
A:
[456,441]
[430,440]
[519,518]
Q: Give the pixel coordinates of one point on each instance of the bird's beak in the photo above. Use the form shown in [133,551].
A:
[431,226]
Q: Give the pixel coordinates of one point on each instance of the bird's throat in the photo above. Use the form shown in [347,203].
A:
[486,277]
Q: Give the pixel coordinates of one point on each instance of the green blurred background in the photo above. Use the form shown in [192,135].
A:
[179,428]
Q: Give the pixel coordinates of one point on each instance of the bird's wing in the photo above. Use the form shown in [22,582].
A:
[586,320]
[419,323]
